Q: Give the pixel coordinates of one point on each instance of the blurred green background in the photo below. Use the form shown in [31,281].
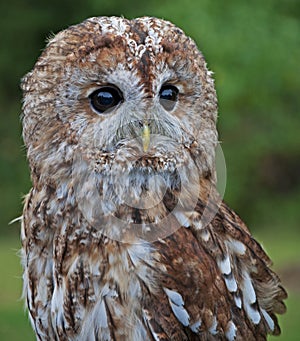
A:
[254,49]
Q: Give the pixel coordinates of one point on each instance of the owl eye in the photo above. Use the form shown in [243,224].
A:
[168,96]
[105,98]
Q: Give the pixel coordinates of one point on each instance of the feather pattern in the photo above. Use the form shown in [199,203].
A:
[124,236]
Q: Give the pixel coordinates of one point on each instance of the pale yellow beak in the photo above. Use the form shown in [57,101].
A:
[146,136]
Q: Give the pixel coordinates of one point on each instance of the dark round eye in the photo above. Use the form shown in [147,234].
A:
[105,98]
[168,96]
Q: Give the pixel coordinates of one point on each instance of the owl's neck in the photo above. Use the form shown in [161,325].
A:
[124,196]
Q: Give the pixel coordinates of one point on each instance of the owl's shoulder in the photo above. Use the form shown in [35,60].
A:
[217,282]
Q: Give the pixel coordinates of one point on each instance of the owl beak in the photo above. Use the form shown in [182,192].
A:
[146,136]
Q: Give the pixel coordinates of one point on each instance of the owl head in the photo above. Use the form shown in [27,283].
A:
[111,103]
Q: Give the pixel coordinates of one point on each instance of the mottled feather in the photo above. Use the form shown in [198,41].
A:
[124,236]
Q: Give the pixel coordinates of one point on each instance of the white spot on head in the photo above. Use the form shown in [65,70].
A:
[177,303]
[230,331]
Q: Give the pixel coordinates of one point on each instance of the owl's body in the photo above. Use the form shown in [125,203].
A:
[124,234]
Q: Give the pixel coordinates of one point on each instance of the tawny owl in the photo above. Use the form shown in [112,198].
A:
[124,234]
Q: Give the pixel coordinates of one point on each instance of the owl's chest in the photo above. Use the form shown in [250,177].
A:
[102,283]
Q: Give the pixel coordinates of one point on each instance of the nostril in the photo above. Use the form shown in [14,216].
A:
[141,123]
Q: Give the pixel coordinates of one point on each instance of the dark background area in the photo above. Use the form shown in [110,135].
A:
[253,48]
